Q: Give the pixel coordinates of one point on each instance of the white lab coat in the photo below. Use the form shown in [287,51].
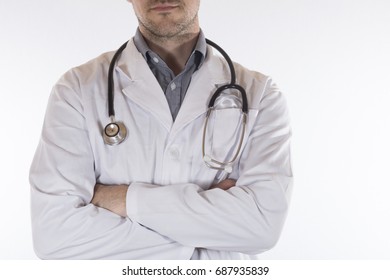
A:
[172,214]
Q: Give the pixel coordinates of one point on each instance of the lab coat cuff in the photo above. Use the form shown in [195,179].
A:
[131,202]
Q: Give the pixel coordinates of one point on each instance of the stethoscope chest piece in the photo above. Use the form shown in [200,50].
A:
[114,133]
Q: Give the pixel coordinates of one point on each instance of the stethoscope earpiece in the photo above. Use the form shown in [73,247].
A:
[114,133]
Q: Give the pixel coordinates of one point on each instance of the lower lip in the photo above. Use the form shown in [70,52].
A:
[164,8]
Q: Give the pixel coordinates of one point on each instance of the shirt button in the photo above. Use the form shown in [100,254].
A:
[173,86]
[155,59]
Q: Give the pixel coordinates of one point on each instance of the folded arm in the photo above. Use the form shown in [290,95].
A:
[247,217]
[113,197]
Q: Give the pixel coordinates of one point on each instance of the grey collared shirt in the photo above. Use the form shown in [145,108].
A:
[174,87]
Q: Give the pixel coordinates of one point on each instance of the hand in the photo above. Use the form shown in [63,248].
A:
[112,198]
[225,184]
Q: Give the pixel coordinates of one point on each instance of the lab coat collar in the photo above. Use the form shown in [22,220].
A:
[145,91]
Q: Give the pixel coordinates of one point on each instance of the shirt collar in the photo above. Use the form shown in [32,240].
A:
[200,47]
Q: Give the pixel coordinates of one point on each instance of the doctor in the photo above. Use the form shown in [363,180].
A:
[153,196]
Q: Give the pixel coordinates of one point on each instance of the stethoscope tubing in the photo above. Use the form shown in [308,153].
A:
[120,135]
[111,110]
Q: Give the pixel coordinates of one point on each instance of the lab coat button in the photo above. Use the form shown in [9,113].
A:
[174,153]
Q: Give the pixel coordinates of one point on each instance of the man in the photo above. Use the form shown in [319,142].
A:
[153,196]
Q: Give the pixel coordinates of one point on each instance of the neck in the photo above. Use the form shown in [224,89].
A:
[174,51]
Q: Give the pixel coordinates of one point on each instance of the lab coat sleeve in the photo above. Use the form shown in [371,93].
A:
[247,218]
[65,225]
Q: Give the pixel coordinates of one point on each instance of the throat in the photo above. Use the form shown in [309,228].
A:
[176,52]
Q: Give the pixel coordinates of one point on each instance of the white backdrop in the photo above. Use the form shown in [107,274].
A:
[330,57]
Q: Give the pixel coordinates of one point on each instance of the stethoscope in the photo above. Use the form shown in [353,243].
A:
[115,132]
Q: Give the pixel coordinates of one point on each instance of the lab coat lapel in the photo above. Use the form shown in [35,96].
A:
[143,88]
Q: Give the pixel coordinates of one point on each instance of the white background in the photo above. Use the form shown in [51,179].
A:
[330,57]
